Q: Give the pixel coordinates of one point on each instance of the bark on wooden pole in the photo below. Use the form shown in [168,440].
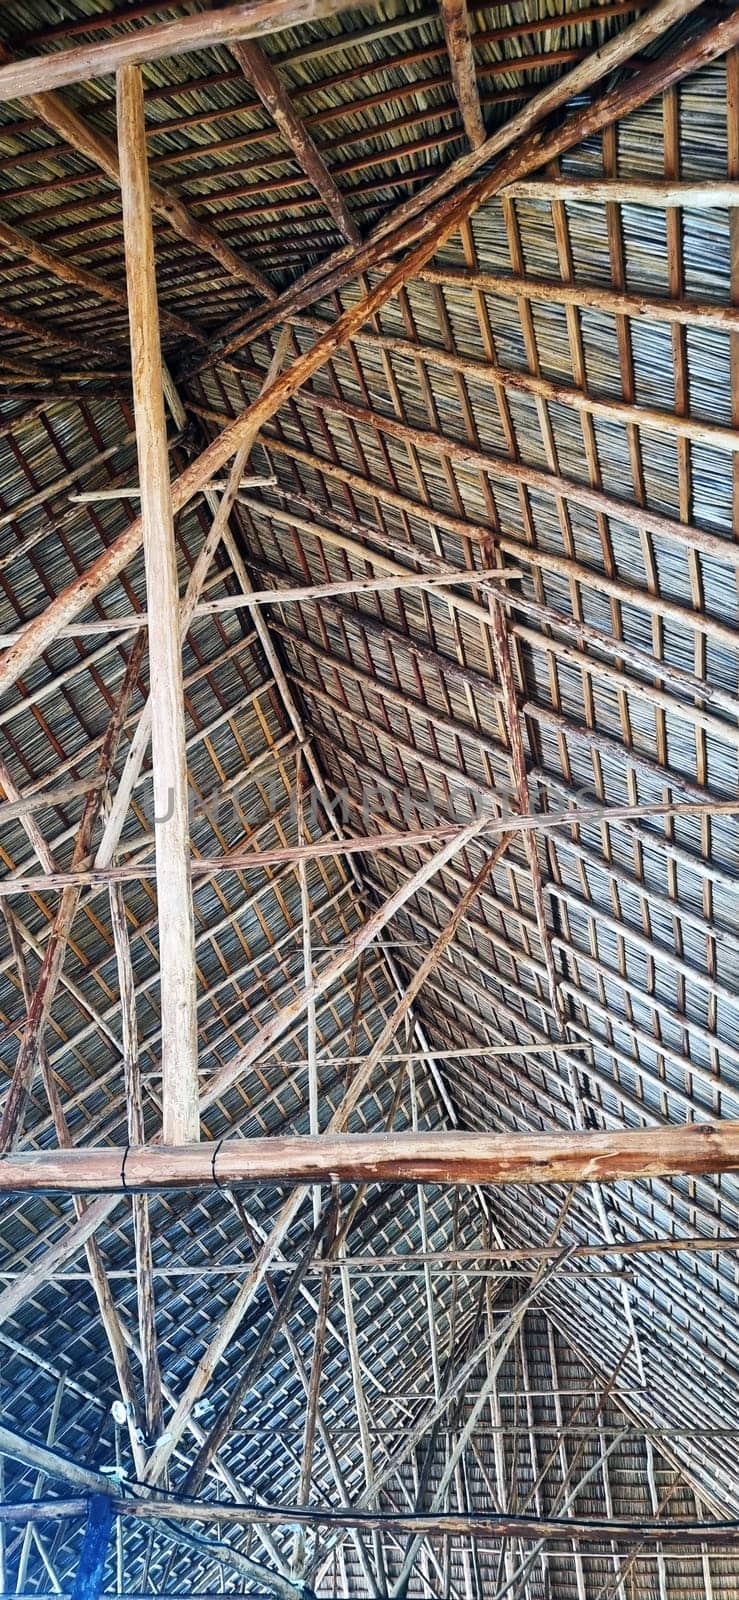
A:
[673,1532]
[260,73]
[174,893]
[447,1157]
[455,18]
[156,42]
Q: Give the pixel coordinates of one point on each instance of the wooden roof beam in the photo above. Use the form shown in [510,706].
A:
[259,72]
[438,1157]
[180,1088]
[455,17]
[403,224]
[156,42]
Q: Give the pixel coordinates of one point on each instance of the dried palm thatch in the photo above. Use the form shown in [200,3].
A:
[500,471]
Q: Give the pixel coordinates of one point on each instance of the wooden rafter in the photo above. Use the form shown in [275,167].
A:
[259,72]
[456,20]
[36,74]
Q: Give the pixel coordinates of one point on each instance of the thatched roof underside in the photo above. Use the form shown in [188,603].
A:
[467,410]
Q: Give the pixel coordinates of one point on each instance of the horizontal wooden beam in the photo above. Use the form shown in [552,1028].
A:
[441,1157]
[676,1531]
[457,1524]
[588,297]
[43,1511]
[297,595]
[284,855]
[156,42]
[131,491]
[624,191]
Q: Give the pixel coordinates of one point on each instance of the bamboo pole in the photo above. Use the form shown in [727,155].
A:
[402,579]
[131,491]
[181,1122]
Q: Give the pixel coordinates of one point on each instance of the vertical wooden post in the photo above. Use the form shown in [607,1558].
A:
[91,1571]
[176,929]
[310,1015]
